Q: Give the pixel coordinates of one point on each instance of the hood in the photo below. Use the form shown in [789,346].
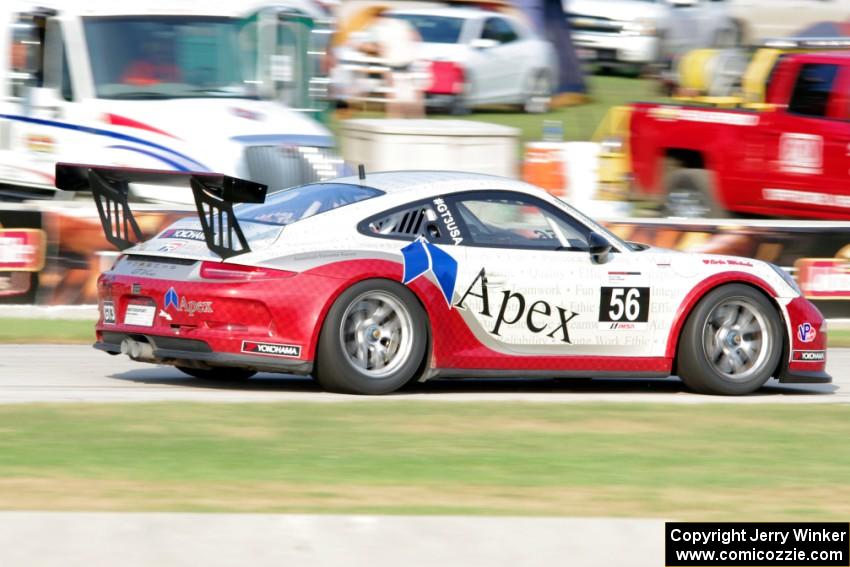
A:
[202,121]
[622,10]
[185,239]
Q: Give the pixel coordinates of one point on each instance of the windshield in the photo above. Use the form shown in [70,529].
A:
[148,57]
[286,207]
[595,226]
[434,29]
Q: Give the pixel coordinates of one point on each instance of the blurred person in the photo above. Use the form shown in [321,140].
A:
[550,21]
[154,65]
[349,34]
[394,42]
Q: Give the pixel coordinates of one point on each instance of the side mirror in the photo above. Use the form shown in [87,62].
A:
[482,43]
[599,248]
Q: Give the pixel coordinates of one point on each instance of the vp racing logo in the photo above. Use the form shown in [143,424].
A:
[806,333]
[421,257]
[172,300]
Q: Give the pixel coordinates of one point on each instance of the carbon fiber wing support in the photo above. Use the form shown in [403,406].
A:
[214,195]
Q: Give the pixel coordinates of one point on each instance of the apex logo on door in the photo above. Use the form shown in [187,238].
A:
[513,308]
[623,308]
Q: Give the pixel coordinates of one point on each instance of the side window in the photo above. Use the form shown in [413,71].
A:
[65,86]
[499,30]
[26,50]
[411,222]
[812,89]
[516,221]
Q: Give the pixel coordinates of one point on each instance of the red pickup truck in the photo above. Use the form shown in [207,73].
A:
[791,158]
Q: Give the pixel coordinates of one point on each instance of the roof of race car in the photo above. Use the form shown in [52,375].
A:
[397,182]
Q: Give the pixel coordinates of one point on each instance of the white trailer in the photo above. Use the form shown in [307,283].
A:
[177,84]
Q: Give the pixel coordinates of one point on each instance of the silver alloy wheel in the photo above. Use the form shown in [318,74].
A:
[736,338]
[376,333]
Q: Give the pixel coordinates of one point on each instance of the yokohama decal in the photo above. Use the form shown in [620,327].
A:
[271,349]
[809,355]
[184,233]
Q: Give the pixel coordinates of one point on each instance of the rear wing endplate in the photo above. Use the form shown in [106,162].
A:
[214,193]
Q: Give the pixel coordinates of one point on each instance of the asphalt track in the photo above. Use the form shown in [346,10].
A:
[213,540]
[59,373]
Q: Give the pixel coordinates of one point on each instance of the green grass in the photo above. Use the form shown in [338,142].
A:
[579,121]
[711,462]
[60,331]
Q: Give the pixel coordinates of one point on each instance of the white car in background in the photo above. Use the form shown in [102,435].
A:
[472,57]
[483,57]
[637,33]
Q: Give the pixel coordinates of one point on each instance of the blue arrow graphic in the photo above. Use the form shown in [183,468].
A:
[171,299]
[421,257]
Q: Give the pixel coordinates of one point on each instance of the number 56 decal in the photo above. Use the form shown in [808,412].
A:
[624,308]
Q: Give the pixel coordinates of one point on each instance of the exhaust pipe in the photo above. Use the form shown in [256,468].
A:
[137,350]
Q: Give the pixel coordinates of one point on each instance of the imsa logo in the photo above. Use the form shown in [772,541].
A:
[271,349]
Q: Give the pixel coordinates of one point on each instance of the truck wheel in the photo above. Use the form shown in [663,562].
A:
[731,343]
[373,340]
[689,193]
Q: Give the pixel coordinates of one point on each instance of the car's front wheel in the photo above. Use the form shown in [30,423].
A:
[731,343]
[373,340]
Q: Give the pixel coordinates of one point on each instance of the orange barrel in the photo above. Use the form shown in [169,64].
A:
[545,167]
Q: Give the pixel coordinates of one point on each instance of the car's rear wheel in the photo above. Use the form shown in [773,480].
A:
[731,343]
[538,98]
[220,373]
[373,340]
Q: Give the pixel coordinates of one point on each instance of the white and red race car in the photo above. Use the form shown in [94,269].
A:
[369,282]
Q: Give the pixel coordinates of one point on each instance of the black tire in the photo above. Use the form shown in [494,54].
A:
[221,373]
[335,368]
[690,193]
[694,363]
[538,97]
[458,105]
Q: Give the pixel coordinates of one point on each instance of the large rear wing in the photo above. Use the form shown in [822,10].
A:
[214,193]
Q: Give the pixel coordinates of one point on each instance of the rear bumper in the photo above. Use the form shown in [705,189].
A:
[269,325]
[197,353]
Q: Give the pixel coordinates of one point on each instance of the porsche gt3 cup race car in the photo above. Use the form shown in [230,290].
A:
[370,282]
